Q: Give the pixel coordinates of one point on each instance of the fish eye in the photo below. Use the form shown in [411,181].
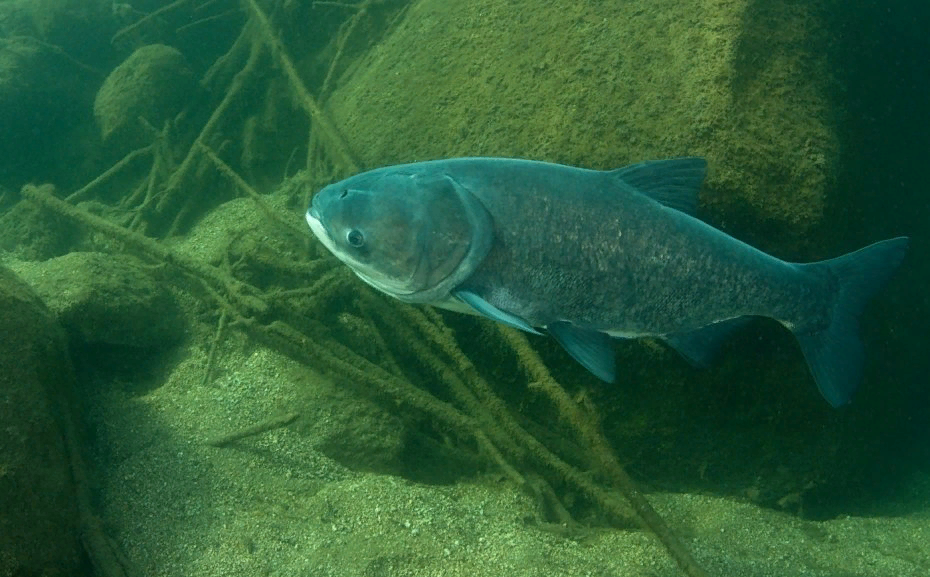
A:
[345,192]
[355,238]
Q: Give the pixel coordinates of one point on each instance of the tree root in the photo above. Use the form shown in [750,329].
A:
[163,198]
[605,460]
[337,147]
[241,184]
[178,178]
[244,297]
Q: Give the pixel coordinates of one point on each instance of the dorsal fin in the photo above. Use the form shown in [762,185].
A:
[674,182]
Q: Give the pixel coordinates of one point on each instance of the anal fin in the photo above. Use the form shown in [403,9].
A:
[700,347]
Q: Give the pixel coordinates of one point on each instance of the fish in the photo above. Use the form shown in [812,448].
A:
[589,256]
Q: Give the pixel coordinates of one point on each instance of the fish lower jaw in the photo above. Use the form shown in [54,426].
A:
[320,232]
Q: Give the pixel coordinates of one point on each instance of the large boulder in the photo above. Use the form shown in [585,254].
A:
[153,84]
[39,529]
[52,53]
[108,299]
[80,28]
[42,96]
[601,84]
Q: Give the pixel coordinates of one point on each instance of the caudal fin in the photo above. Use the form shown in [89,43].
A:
[835,353]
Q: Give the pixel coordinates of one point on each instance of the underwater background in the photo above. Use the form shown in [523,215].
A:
[191,385]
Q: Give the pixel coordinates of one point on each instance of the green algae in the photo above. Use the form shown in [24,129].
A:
[601,84]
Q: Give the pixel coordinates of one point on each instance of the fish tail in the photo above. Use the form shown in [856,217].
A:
[834,353]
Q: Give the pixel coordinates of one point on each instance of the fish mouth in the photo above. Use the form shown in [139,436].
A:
[319,230]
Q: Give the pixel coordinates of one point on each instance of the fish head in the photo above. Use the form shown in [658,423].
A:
[411,234]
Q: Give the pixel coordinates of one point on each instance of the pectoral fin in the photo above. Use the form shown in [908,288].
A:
[486,309]
[593,349]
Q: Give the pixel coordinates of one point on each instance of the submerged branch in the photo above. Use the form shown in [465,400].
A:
[271,424]
[338,147]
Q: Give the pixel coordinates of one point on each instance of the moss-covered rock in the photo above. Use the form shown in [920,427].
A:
[43,96]
[38,511]
[106,299]
[154,83]
[601,84]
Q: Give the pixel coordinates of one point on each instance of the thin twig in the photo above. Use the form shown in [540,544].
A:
[214,346]
[61,52]
[337,4]
[207,20]
[110,172]
[299,232]
[163,10]
[340,47]
[257,429]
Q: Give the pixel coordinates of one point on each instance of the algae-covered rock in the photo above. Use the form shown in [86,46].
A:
[107,299]
[81,28]
[602,84]
[79,31]
[42,96]
[154,83]
[38,512]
